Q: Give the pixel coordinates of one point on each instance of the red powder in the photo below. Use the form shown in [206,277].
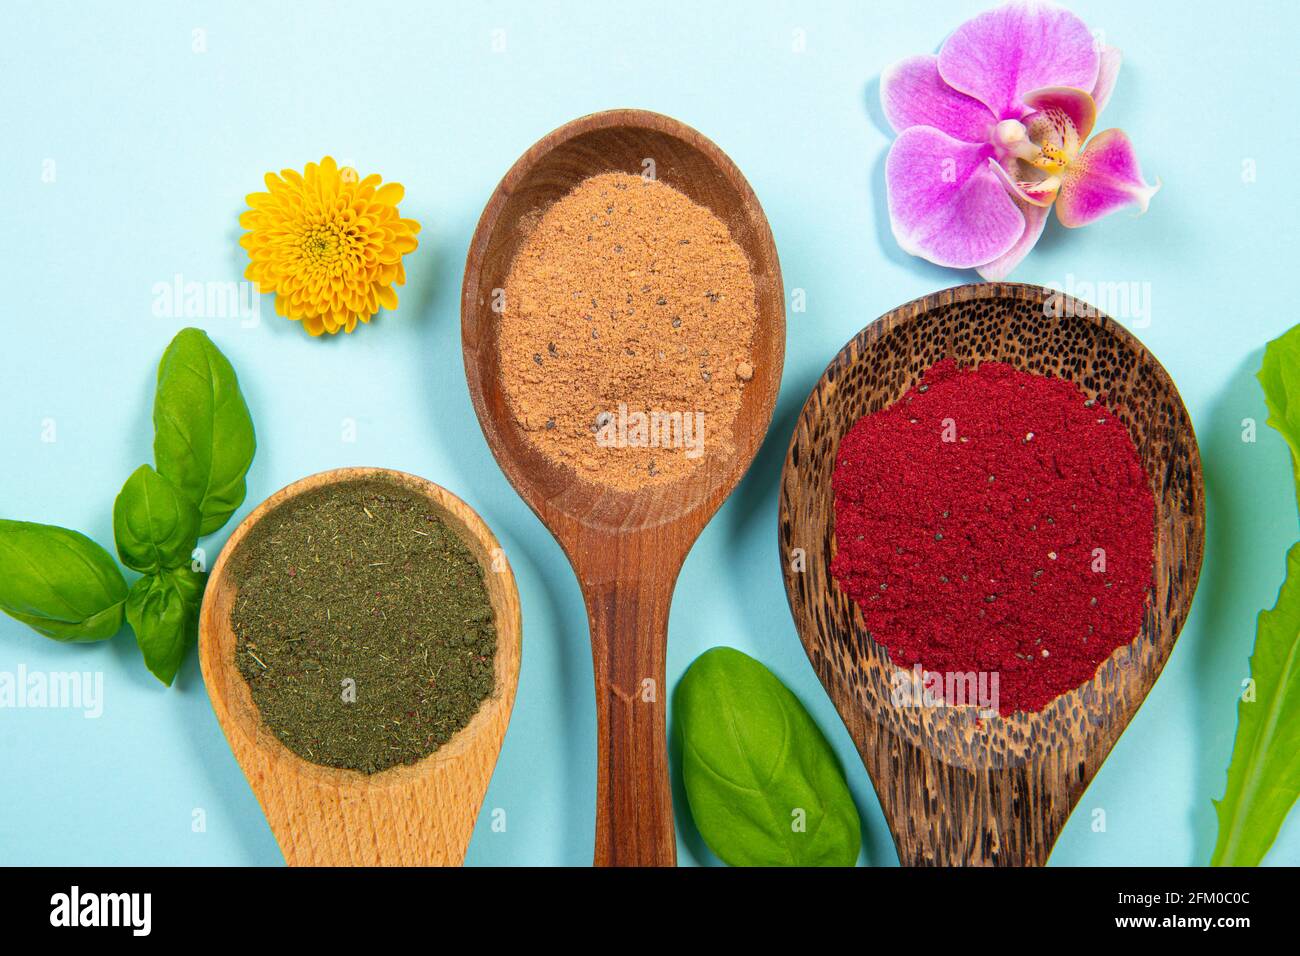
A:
[995,521]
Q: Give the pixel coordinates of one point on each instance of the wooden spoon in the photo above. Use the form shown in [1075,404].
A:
[956,790]
[626,547]
[416,815]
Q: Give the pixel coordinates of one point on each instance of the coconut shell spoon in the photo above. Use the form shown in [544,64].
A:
[625,547]
[955,788]
[417,815]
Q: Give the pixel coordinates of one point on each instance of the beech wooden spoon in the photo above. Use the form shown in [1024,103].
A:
[626,547]
[416,815]
[955,789]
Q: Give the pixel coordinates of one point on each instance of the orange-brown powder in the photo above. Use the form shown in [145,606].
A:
[625,298]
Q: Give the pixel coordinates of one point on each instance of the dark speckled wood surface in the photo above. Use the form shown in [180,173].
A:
[957,788]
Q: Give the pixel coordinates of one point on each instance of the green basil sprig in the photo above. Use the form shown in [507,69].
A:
[67,587]
[762,782]
[59,582]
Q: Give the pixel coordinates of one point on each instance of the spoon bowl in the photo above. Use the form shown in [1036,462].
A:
[626,547]
[420,814]
[958,788]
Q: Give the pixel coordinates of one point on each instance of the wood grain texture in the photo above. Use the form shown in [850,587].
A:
[417,815]
[625,547]
[956,790]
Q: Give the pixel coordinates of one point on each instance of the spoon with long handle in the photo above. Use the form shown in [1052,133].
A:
[626,547]
[958,787]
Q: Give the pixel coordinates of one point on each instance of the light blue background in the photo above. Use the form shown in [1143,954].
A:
[155,145]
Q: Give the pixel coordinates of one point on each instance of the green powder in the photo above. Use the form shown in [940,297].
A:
[363,625]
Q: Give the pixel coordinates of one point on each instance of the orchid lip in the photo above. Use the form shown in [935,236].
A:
[1046,140]
[1051,159]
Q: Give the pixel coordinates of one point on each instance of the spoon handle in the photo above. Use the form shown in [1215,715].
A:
[629,637]
[944,815]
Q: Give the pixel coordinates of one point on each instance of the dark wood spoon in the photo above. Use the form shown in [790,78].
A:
[956,789]
[626,547]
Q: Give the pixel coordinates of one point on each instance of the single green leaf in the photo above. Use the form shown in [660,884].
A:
[203,435]
[1264,774]
[1279,374]
[155,525]
[59,582]
[163,609]
[762,782]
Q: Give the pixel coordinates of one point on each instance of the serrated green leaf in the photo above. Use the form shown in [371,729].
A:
[203,434]
[155,526]
[762,782]
[1279,374]
[163,609]
[1264,773]
[59,582]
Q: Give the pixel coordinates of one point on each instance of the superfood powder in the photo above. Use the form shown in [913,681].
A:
[626,332]
[362,625]
[995,521]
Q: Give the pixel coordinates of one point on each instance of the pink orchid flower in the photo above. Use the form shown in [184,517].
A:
[992,132]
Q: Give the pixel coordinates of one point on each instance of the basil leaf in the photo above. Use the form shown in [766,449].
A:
[762,782]
[59,582]
[155,525]
[203,435]
[163,608]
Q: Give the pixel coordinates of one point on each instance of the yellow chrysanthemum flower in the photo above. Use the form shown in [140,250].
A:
[328,244]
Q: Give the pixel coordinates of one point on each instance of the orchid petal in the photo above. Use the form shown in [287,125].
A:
[1105,177]
[945,204]
[1036,193]
[1000,268]
[1000,55]
[1070,113]
[1107,72]
[914,94]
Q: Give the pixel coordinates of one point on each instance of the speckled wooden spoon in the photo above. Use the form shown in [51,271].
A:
[626,547]
[417,815]
[955,789]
